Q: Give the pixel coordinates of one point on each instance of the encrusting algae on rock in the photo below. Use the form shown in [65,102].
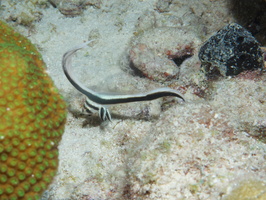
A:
[32,118]
[248,190]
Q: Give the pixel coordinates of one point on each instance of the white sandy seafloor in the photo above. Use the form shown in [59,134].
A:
[200,149]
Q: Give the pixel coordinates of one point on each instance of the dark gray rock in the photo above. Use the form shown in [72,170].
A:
[231,51]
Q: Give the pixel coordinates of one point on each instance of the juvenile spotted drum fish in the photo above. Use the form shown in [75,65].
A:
[99,101]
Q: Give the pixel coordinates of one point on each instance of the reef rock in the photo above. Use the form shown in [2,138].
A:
[231,51]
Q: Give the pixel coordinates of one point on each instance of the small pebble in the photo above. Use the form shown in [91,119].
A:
[163,5]
[72,8]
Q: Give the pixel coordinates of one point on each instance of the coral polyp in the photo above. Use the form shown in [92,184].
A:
[32,116]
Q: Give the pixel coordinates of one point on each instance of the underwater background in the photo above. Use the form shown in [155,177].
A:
[212,146]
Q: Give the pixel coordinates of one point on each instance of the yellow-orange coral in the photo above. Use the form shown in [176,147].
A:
[32,118]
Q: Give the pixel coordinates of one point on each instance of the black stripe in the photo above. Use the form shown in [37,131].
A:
[91,106]
[148,97]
